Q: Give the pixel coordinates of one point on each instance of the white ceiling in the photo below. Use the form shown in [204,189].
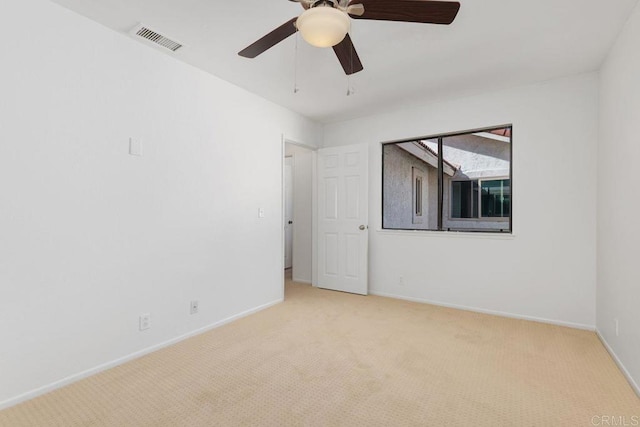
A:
[492,44]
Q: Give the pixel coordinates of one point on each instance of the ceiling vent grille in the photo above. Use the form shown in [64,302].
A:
[155,38]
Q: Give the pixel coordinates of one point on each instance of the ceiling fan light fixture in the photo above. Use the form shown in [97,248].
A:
[323,26]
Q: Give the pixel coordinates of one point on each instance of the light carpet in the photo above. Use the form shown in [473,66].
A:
[326,358]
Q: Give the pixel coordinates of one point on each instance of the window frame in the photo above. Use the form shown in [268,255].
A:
[440,185]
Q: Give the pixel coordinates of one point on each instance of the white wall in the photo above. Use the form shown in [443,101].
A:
[547,270]
[303,160]
[618,291]
[91,237]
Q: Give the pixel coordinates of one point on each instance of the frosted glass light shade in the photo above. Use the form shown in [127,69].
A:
[323,26]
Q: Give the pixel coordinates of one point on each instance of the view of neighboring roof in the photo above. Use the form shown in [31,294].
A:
[466,156]
[502,132]
[445,161]
[423,152]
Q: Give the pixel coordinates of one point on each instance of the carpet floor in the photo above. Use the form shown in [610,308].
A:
[326,358]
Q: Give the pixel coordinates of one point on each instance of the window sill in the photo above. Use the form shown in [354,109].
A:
[447,234]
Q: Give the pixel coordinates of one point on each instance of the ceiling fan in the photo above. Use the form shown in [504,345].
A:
[326,23]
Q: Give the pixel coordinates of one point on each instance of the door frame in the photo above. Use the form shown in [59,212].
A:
[314,224]
[292,158]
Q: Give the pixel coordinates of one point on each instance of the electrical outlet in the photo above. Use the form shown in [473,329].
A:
[617,323]
[145,321]
[401,281]
[194,307]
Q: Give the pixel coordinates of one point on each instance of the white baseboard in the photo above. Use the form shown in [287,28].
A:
[492,312]
[614,356]
[305,281]
[108,365]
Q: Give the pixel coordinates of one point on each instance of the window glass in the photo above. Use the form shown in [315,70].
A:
[458,182]
[496,198]
[464,199]
[410,186]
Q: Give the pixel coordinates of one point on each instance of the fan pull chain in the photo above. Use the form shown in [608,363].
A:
[295,66]
[350,90]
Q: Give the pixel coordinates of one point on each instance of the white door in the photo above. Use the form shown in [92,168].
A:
[343,218]
[288,212]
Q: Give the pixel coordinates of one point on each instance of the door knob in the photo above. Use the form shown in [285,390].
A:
[290,222]
[362,227]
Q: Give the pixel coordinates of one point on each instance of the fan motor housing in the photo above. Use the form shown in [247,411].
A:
[330,3]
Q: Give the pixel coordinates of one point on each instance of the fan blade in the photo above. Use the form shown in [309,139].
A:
[305,3]
[270,40]
[424,11]
[348,56]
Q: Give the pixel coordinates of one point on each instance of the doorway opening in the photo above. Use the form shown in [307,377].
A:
[298,167]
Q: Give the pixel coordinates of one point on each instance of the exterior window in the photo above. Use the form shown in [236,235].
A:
[453,182]
[493,201]
[464,199]
[496,198]
[418,196]
[419,189]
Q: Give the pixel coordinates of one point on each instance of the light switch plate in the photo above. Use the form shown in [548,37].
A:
[261,213]
[135,147]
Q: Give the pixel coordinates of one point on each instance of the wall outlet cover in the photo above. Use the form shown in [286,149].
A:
[145,321]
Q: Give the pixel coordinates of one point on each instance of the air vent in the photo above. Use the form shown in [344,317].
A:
[155,38]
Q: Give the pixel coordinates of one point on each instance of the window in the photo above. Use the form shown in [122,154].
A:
[495,200]
[454,182]
[464,199]
[480,198]
[418,195]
